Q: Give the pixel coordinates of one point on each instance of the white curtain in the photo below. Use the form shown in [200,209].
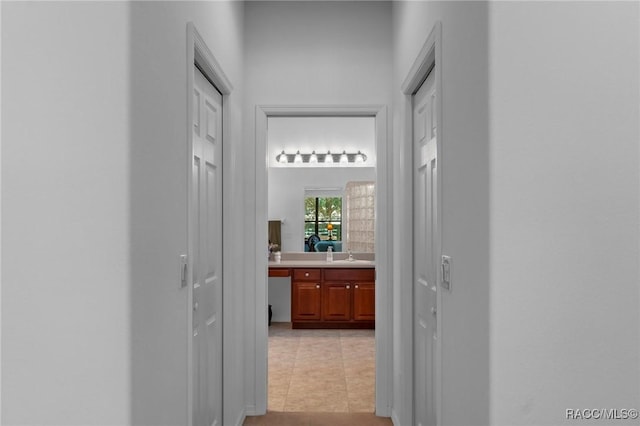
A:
[360,217]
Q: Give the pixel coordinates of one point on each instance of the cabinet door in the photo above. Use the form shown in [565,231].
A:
[336,301]
[364,301]
[305,301]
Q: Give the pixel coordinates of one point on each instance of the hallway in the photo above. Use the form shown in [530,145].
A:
[539,177]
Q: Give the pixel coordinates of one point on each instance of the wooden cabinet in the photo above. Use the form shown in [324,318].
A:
[333,298]
[364,301]
[279,272]
[336,301]
[305,301]
[306,295]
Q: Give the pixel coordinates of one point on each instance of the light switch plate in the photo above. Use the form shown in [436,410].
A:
[183,270]
[446,273]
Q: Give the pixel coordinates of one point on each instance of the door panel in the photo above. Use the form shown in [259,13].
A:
[425,274]
[305,301]
[206,240]
[364,301]
[336,301]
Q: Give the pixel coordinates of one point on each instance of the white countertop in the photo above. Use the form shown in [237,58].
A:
[322,264]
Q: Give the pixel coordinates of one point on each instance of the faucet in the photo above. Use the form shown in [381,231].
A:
[329,254]
[350,259]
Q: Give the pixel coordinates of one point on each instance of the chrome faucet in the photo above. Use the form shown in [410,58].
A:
[350,259]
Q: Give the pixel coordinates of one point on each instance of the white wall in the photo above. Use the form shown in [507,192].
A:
[306,53]
[287,183]
[322,134]
[564,209]
[94,172]
[287,192]
[465,197]
[158,202]
[66,340]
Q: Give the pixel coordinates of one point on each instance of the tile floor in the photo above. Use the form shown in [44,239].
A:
[321,370]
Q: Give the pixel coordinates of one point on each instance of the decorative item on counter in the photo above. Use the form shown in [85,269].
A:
[277,257]
[330,229]
[272,248]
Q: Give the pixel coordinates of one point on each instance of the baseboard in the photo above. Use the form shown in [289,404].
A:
[394,418]
[241,417]
[250,410]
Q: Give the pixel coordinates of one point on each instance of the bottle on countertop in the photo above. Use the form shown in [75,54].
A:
[329,254]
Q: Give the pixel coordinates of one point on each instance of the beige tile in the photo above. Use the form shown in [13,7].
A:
[321,370]
[276,403]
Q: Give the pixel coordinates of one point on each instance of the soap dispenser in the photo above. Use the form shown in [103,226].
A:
[329,254]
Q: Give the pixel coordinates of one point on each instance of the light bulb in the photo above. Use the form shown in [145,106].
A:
[313,158]
[298,158]
[343,158]
[328,158]
[283,158]
[359,158]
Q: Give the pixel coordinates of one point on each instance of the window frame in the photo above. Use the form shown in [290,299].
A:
[317,222]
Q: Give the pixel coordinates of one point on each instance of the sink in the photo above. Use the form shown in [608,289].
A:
[345,261]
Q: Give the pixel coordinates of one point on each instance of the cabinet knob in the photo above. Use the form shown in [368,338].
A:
[306,274]
[348,286]
[317,285]
[356,286]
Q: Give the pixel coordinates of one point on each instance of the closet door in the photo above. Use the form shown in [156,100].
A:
[206,249]
[425,260]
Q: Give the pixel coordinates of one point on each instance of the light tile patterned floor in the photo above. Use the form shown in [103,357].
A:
[321,370]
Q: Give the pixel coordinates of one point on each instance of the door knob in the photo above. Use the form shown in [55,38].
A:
[195,306]
[434,311]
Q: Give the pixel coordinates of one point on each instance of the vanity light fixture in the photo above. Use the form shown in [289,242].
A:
[328,158]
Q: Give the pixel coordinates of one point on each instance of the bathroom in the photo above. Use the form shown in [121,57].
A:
[290,185]
[321,205]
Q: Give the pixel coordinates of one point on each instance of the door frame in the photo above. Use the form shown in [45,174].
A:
[199,54]
[428,60]
[384,301]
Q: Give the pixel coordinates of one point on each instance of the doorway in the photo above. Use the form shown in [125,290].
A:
[382,209]
[206,252]
[320,204]
[202,268]
[422,91]
[425,275]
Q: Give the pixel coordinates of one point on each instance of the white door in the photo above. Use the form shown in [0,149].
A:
[425,270]
[206,249]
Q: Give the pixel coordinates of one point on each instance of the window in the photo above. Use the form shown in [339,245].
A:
[323,216]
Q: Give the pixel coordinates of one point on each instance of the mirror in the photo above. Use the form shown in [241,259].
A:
[320,204]
[275,235]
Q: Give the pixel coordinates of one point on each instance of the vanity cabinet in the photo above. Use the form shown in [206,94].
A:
[333,298]
[364,301]
[306,295]
[336,301]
